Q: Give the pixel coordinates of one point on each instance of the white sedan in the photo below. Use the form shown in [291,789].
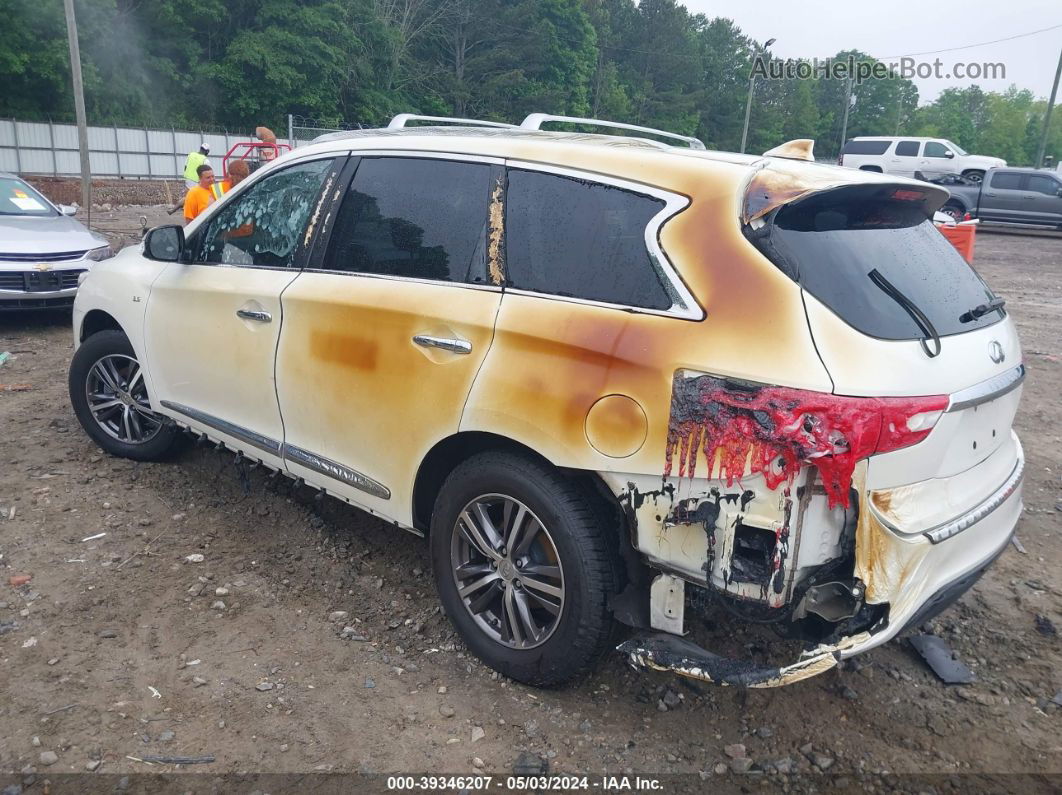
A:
[43,251]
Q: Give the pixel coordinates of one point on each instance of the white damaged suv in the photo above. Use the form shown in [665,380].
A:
[617,381]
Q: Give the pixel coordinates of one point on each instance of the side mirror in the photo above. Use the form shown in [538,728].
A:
[66,209]
[949,154]
[164,243]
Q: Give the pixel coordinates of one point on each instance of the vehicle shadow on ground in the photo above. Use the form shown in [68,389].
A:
[33,320]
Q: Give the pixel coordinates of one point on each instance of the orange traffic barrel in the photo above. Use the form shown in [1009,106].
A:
[962,237]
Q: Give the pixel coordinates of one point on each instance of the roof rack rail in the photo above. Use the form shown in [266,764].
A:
[534,121]
[402,119]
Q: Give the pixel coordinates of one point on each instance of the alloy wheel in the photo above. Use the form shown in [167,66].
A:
[508,573]
[118,399]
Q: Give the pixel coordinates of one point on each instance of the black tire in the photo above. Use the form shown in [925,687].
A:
[974,175]
[875,169]
[157,444]
[585,549]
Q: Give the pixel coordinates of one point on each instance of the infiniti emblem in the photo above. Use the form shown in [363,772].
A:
[995,352]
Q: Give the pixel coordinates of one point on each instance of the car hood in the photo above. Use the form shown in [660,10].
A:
[36,235]
[982,160]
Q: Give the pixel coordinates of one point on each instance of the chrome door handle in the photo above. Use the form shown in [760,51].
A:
[446,344]
[990,195]
[250,314]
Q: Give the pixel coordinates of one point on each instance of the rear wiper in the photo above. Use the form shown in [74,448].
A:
[981,310]
[917,315]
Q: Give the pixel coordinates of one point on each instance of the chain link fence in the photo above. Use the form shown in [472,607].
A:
[302,129]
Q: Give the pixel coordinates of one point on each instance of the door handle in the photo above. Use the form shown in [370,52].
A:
[445,343]
[250,314]
[990,195]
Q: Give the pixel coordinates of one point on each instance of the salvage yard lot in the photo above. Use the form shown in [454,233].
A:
[308,638]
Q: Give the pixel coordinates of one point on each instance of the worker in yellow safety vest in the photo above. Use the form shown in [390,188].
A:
[192,164]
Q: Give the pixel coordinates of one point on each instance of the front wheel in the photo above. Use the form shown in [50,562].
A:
[524,568]
[110,399]
[976,177]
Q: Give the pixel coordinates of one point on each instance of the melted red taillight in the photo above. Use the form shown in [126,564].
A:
[775,430]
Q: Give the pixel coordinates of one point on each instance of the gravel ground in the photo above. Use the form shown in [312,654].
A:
[180,609]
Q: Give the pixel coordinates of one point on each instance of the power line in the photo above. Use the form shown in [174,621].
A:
[969,46]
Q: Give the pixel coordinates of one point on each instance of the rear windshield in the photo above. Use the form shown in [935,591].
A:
[832,243]
[18,198]
[865,148]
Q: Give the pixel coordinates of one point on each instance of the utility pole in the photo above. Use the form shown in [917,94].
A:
[847,107]
[1039,162]
[752,86]
[79,105]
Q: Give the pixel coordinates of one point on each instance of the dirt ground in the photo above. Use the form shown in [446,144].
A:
[119,647]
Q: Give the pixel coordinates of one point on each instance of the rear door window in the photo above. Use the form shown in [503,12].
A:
[865,147]
[907,149]
[581,239]
[1045,185]
[413,217]
[1006,180]
[831,243]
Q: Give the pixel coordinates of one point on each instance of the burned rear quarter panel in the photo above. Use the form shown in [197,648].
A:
[553,359]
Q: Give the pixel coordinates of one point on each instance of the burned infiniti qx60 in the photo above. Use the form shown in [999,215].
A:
[610,378]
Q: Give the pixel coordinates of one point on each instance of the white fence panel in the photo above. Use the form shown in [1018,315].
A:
[36,161]
[33,136]
[52,149]
[130,140]
[65,136]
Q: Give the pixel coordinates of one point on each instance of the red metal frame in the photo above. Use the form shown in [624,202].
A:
[252,150]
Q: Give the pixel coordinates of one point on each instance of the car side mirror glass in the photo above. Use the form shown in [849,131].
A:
[67,209]
[164,243]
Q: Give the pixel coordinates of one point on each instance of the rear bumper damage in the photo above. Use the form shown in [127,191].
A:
[663,652]
[914,574]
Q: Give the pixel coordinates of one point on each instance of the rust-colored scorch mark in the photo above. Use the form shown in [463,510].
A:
[495,235]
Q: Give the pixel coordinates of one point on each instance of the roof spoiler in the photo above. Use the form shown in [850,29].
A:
[797,149]
[534,121]
[778,182]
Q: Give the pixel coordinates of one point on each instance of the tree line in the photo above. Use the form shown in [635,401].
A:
[240,63]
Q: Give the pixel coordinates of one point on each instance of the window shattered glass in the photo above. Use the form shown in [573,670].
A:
[264,225]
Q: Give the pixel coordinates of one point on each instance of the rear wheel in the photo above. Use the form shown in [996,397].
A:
[110,399]
[524,568]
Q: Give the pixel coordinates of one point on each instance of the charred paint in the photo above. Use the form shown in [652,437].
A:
[773,431]
[781,546]
[496,235]
[670,653]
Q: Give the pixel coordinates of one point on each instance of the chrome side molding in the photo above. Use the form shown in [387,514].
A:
[252,438]
[994,387]
[337,471]
[290,452]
